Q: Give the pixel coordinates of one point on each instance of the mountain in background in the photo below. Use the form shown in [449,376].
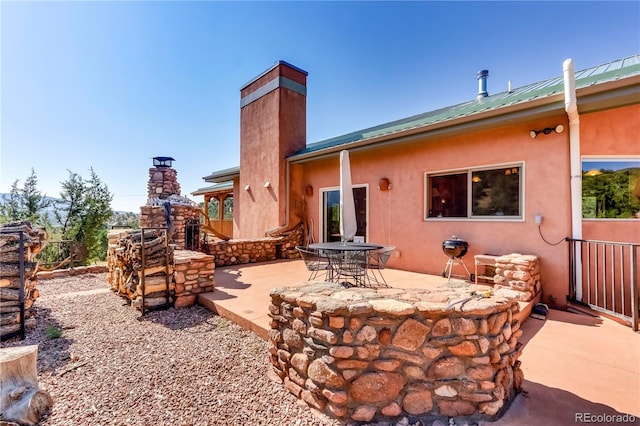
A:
[119,218]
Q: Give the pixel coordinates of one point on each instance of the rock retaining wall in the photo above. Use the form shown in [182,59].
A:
[518,272]
[363,355]
[236,252]
[193,274]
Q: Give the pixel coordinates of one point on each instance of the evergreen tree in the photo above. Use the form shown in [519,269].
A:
[34,202]
[26,203]
[10,207]
[83,213]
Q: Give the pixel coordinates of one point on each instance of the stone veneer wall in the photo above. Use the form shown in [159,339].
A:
[518,272]
[193,274]
[235,252]
[153,217]
[365,355]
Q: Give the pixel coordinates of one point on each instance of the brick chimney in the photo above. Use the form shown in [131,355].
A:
[273,125]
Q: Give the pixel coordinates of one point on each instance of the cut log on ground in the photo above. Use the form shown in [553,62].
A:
[23,401]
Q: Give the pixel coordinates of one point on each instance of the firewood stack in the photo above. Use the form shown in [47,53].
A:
[34,240]
[125,263]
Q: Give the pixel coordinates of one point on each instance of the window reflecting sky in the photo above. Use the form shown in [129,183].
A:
[608,164]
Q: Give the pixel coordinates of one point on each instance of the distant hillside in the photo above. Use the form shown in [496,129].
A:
[119,218]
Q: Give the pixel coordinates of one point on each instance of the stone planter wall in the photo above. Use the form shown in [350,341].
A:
[363,355]
[236,252]
[518,272]
[193,274]
[154,217]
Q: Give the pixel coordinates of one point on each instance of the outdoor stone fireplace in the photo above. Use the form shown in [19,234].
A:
[189,271]
[167,208]
[362,354]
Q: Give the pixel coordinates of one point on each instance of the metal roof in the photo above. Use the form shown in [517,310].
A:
[223,175]
[218,187]
[618,69]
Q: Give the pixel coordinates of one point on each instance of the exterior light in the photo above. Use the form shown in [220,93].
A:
[384,184]
[267,184]
[247,187]
[547,130]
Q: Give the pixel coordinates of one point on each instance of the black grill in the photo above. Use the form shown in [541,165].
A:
[455,248]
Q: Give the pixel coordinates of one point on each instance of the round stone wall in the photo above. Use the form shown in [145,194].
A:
[360,354]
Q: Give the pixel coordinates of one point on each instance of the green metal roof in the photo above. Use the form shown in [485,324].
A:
[618,69]
[223,175]
[224,186]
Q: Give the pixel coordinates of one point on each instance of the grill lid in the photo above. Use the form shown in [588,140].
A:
[455,247]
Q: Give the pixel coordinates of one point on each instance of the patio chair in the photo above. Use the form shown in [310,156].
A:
[377,261]
[349,267]
[315,262]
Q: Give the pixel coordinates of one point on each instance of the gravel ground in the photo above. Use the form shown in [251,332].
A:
[184,366]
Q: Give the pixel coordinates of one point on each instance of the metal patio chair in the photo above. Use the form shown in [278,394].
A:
[315,262]
[349,267]
[377,261]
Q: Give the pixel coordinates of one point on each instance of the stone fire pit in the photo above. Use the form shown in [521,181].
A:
[363,355]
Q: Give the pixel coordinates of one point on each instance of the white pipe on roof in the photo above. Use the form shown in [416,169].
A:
[571,107]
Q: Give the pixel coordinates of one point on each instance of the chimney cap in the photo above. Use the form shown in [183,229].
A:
[162,161]
[483,74]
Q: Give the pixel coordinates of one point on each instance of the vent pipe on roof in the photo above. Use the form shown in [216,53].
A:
[482,84]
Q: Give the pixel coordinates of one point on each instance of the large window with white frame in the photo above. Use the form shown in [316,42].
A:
[483,192]
[610,188]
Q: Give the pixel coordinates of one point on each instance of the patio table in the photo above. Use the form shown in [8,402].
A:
[348,261]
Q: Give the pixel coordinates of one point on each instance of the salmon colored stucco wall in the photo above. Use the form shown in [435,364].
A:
[396,217]
[611,133]
[271,128]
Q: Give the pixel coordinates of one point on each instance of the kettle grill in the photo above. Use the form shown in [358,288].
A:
[455,249]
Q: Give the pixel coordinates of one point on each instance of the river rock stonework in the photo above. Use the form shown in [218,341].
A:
[363,355]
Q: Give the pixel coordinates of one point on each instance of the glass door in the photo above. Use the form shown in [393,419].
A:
[331,214]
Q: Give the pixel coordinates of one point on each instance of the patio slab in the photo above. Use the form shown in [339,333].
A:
[574,364]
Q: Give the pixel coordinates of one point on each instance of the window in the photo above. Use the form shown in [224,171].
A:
[610,188]
[479,193]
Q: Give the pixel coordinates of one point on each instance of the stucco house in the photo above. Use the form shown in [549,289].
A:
[507,172]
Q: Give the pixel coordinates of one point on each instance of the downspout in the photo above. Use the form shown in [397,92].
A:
[571,107]
[275,232]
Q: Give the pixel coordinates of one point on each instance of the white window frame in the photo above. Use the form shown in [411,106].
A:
[469,171]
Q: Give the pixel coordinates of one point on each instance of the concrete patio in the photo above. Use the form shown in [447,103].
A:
[577,367]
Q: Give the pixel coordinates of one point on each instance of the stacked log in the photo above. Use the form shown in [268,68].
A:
[11,253]
[140,265]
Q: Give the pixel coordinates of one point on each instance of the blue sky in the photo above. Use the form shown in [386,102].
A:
[110,85]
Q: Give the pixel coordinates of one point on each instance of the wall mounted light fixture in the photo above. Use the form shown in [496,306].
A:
[309,191]
[558,129]
[384,184]
[267,184]
[247,187]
